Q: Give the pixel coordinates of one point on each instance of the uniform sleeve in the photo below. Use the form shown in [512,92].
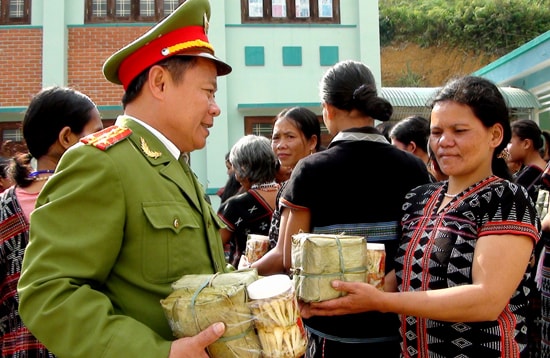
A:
[76,234]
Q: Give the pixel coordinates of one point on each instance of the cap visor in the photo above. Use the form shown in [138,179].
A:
[222,67]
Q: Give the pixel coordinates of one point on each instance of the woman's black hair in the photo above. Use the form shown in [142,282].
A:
[49,111]
[350,85]
[528,129]
[412,129]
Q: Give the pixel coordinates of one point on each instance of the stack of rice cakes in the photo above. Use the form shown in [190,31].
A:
[318,259]
[201,300]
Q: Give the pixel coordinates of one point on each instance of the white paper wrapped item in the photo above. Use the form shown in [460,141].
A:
[319,259]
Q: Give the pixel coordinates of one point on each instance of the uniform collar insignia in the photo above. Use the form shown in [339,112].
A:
[148,152]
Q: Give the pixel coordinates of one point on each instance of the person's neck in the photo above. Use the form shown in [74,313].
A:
[46,162]
[458,184]
[352,119]
[536,160]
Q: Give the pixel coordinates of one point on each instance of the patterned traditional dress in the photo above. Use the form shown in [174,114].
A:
[246,213]
[436,252]
[545,284]
[530,176]
[15,338]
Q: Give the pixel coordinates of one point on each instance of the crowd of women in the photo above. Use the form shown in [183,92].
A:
[465,267]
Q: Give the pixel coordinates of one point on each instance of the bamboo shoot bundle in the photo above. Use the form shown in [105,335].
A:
[256,247]
[376,264]
[277,318]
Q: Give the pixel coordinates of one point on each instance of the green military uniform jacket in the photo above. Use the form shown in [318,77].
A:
[112,230]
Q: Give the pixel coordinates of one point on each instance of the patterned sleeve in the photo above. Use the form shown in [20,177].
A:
[229,213]
[508,210]
[545,179]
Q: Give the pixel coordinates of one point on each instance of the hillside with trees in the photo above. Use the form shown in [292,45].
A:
[425,42]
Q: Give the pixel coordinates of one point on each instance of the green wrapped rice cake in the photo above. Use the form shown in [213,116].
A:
[318,259]
[201,300]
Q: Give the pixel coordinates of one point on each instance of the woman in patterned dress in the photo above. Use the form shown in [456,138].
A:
[250,212]
[461,268]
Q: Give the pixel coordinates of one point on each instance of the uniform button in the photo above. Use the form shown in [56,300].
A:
[176,223]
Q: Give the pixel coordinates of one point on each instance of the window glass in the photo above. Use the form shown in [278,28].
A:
[278,8]
[291,11]
[147,8]
[99,8]
[170,6]
[325,8]
[14,135]
[255,8]
[15,12]
[129,10]
[302,8]
[123,8]
[17,9]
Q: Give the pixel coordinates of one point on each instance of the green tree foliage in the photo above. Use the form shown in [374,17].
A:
[491,26]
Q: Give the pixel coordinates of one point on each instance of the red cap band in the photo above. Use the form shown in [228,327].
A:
[173,43]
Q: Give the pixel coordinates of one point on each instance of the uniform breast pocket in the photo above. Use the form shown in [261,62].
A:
[170,240]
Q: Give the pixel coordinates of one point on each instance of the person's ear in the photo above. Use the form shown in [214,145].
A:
[66,137]
[496,135]
[157,78]
[330,110]
[313,143]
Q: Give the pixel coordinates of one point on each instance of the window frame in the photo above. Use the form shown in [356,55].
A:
[134,13]
[5,10]
[291,14]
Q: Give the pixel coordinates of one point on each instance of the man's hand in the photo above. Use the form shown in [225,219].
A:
[195,347]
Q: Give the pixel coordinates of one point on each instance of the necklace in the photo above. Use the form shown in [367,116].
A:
[35,175]
[40,178]
[266,186]
[450,195]
[38,172]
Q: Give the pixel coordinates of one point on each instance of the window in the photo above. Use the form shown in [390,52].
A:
[129,10]
[290,11]
[15,12]
[11,141]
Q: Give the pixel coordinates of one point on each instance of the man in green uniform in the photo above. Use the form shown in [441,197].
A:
[123,218]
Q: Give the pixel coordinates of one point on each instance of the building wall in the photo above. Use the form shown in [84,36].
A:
[20,65]
[85,60]
[58,48]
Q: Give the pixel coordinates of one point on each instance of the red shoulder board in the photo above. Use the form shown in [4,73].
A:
[107,137]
